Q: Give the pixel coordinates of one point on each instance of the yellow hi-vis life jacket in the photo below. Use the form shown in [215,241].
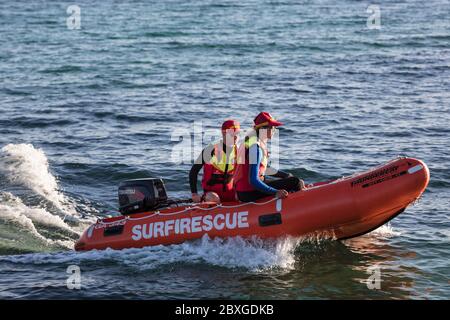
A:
[218,172]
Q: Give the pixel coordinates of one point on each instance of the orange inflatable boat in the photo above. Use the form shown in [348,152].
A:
[343,208]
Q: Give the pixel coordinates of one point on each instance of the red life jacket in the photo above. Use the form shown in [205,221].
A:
[242,174]
[218,173]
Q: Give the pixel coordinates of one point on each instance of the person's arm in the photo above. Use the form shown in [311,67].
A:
[193,174]
[255,181]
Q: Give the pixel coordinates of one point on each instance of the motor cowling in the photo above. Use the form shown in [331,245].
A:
[141,195]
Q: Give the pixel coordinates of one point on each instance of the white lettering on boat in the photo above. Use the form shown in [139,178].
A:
[415,169]
[190,225]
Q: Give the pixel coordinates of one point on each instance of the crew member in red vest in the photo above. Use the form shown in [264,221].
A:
[218,161]
[252,165]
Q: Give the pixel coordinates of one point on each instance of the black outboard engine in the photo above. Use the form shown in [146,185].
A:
[141,195]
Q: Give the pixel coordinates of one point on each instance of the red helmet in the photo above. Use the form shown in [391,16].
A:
[231,124]
[265,119]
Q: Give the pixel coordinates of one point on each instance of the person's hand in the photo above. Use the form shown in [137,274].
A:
[281,194]
[196,198]
[302,185]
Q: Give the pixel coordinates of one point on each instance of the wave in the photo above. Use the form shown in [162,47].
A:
[165,34]
[385,231]
[14,211]
[39,216]
[105,174]
[24,165]
[253,254]
[63,69]
[16,92]
[12,207]
[28,122]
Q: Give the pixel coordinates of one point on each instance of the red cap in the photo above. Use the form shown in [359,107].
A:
[265,119]
[231,124]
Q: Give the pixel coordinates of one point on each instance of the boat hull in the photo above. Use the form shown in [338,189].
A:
[340,209]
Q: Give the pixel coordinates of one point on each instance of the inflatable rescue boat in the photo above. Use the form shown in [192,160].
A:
[343,208]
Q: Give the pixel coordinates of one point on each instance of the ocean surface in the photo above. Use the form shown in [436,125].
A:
[83,109]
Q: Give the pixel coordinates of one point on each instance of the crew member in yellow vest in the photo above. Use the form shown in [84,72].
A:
[218,161]
[253,157]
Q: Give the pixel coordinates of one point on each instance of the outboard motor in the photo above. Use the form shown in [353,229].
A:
[141,195]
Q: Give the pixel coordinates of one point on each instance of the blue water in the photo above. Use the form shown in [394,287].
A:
[82,110]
